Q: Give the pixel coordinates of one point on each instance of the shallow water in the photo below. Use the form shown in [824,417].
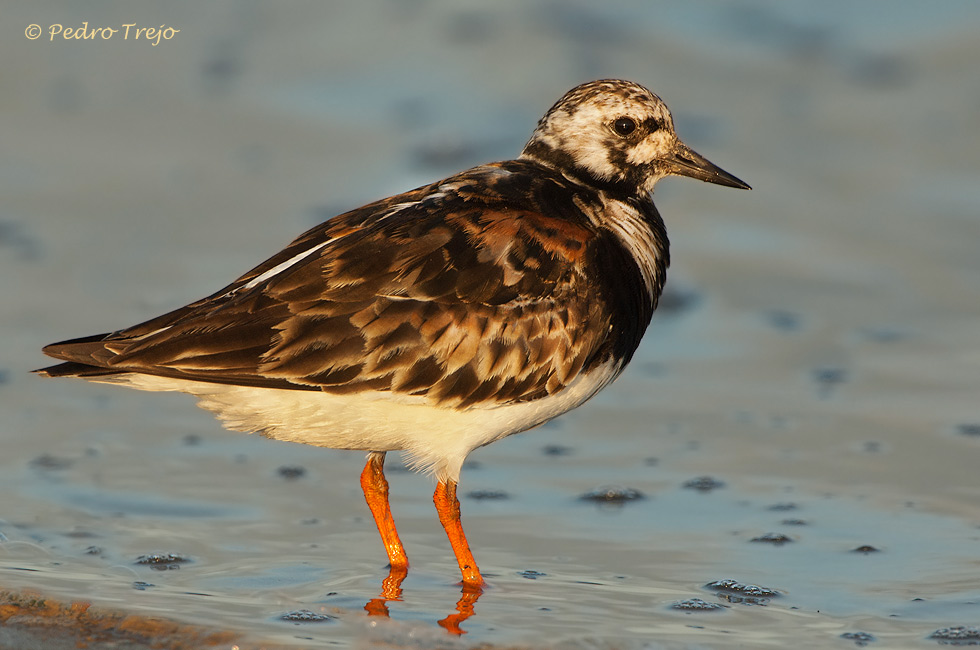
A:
[817,360]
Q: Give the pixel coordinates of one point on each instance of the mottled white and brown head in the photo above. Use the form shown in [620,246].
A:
[616,133]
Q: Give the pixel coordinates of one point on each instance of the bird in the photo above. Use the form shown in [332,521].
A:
[439,320]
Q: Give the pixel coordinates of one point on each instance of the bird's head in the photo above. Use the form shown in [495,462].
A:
[617,133]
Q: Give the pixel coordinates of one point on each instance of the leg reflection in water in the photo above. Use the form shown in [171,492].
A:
[391,591]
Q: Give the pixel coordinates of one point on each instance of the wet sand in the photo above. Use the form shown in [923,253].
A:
[802,415]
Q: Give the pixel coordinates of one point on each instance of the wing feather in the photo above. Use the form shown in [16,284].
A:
[460,297]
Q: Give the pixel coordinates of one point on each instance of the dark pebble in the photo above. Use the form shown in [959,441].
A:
[959,635]
[830,375]
[162,561]
[782,507]
[556,450]
[481,495]
[828,378]
[704,484]
[971,429]
[860,639]
[696,605]
[48,461]
[291,472]
[738,593]
[305,616]
[865,549]
[612,494]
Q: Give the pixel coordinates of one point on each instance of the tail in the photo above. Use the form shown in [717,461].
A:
[84,357]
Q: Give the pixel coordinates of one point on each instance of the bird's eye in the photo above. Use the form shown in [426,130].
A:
[624,126]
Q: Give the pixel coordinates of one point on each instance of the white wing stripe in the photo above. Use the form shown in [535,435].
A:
[279,268]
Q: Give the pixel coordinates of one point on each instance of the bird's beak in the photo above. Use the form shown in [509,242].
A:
[684,161]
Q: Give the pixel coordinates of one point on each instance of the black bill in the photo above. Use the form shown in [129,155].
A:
[687,162]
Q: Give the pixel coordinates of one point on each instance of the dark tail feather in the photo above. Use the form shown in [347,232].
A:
[75,369]
[85,357]
[75,349]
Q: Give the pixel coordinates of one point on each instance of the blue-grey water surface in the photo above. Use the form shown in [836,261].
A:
[815,365]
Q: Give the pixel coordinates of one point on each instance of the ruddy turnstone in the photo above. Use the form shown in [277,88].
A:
[439,320]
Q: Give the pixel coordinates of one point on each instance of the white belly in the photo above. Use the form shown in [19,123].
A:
[436,439]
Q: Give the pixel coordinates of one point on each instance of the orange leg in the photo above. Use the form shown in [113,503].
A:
[375,488]
[447,505]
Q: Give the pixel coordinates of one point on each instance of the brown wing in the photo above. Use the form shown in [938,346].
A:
[461,296]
